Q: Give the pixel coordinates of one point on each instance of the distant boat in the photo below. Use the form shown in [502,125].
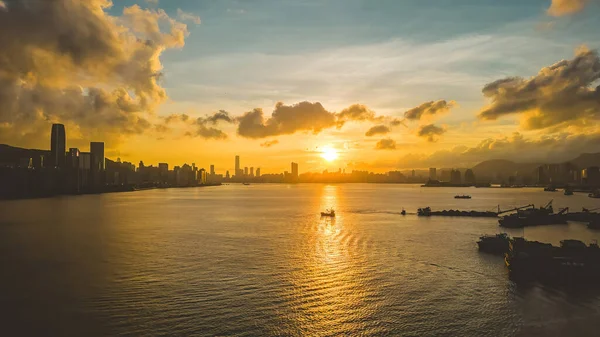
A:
[329,213]
[246,184]
[403,211]
[550,189]
[464,196]
[568,191]
[595,194]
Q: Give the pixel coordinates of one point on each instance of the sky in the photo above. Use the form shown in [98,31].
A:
[385,85]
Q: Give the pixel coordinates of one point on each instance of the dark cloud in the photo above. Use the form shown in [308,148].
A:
[566,7]
[356,112]
[377,130]
[200,127]
[269,143]
[430,132]
[429,108]
[71,62]
[386,144]
[547,149]
[559,95]
[221,115]
[396,122]
[285,119]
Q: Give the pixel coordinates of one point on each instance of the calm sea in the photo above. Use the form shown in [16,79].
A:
[259,261]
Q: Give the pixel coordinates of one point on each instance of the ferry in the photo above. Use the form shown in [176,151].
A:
[464,196]
[329,213]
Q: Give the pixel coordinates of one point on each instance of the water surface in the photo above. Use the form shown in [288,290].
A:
[259,260]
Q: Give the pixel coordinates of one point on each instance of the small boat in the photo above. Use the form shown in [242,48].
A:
[549,189]
[329,213]
[403,212]
[568,191]
[246,184]
[464,196]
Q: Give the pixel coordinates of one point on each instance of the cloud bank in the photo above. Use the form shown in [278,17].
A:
[429,108]
[562,94]
[386,144]
[377,130]
[70,61]
[430,132]
[566,7]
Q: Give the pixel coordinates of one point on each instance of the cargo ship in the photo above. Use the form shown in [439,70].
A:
[494,244]
[531,216]
[573,260]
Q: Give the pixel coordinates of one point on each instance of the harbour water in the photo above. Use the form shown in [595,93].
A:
[259,260]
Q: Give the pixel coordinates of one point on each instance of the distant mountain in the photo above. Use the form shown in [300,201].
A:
[491,168]
[586,160]
[11,154]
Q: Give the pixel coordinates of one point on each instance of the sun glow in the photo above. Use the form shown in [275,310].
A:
[329,153]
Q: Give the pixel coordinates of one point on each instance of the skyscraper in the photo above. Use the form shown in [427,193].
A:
[252,171]
[433,173]
[97,152]
[246,171]
[237,165]
[212,170]
[98,164]
[258,172]
[58,145]
[294,170]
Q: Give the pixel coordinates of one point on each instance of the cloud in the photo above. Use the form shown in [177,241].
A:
[559,95]
[356,112]
[396,122]
[377,130]
[430,132]
[99,74]
[199,127]
[429,108]
[546,149]
[269,143]
[285,119]
[185,16]
[566,7]
[386,144]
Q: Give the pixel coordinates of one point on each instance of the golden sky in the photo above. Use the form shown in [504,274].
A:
[378,88]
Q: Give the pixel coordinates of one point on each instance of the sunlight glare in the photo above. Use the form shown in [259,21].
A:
[329,153]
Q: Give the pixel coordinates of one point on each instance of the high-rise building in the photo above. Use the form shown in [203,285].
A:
[237,166]
[72,165]
[470,177]
[212,170]
[258,172]
[433,173]
[97,152]
[246,171]
[252,171]
[227,174]
[294,170]
[58,145]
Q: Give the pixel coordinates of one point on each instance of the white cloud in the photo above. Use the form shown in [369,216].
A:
[186,16]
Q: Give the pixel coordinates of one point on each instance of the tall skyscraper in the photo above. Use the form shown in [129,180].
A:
[237,165]
[246,171]
[98,164]
[252,171]
[97,152]
[433,173]
[258,172]
[212,170]
[58,145]
[294,170]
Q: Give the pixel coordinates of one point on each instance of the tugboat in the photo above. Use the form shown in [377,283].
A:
[464,196]
[403,211]
[329,213]
[531,216]
[494,244]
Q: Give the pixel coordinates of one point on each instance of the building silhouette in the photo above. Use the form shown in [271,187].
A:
[58,145]
[212,170]
[294,170]
[469,177]
[433,173]
[238,170]
[258,172]
[252,171]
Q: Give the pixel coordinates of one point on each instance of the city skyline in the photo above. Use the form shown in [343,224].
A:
[398,95]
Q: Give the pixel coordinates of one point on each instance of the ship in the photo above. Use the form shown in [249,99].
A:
[531,216]
[329,213]
[595,224]
[550,189]
[568,191]
[426,211]
[464,196]
[586,215]
[573,260]
[595,194]
[494,244]
[246,184]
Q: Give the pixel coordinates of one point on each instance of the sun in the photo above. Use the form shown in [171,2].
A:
[329,153]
